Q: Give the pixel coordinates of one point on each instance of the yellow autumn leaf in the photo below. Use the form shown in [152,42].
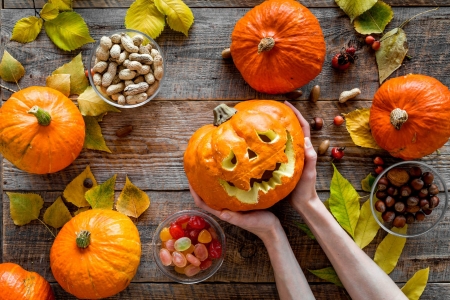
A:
[179,15]
[57,214]
[24,208]
[62,4]
[144,16]
[357,123]
[75,190]
[328,274]
[27,29]
[78,80]
[90,104]
[366,183]
[102,196]
[367,226]
[354,8]
[375,19]
[59,82]
[415,286]
[11,69]
[94,139]
[393,49]
[49,11]
[132,201]
[389,250]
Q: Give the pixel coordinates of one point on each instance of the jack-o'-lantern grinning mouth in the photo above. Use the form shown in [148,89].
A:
[270,178]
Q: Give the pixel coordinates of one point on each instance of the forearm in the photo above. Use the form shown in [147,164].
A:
[362,278]
[289,277]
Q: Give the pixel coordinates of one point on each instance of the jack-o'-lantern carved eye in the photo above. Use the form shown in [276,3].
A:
[230,162]
[268,136]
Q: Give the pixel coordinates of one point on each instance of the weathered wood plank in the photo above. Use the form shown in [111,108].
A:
[212,3]
[246,258]
[196,71]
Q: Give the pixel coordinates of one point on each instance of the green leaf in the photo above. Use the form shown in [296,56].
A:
[357,124]
[68,31]
[11,69]
[62,4]
[328,274]
[415,286]
[305,229]
[59,82]
[354,8]
[75,190]
[144,16]
[24,208]
[49,11]
[90,104]
[367,226]
[78,80]
[375,19]
[132,201]
[179,15]
[389,250]
[393,49]
[366,183]
[102,196]
[344,202]
[57,214]
[94,139]
[27,29]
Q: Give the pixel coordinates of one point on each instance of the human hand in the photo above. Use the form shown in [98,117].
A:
[306,187]
[260,222]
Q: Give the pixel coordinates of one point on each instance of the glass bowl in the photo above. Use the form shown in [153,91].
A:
[91,63]
[169,271]
[418,227]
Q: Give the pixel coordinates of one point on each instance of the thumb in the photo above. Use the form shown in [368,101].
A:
[310,156]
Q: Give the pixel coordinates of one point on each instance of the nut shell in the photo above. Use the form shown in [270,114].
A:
[398,177]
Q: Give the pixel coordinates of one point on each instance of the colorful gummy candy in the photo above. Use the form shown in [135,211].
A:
[189,244]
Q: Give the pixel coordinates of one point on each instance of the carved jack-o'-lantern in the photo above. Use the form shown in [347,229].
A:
[250,159]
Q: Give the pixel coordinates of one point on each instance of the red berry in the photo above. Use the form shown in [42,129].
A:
[351,51]
[176,231]
[215,249]
[369,40]
[378,161]
[197,222]
[340,62]
[337,152]
[379,169]
[338,120]
[86,73]
[376,45]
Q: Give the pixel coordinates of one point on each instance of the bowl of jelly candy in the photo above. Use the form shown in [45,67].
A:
[189,246]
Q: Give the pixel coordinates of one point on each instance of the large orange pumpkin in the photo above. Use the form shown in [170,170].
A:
[41,130]
[251,161]
[19,284]
[96,254]
[410,116]
[278,46]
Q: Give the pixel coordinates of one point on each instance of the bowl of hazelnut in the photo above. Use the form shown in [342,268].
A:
[412,193]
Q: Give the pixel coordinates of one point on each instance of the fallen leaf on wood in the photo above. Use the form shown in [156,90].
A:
[328,274]
[78,80]
[367,226]
[393,49]
[24,208]
[132,201]
[11,69]
[90,104]
[389,250]
[27,29]
[357,124]
[375,19]
[179,15]
[75,191]
[415,286]
[94,139]
[57,214]
[366,183]
[102,196]
[59,82]
[144,16]
[354,8]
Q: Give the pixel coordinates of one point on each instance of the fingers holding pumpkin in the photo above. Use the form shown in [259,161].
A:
[200,203]
[301,119]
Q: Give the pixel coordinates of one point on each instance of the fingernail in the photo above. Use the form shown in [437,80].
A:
[307,142]
[224,215]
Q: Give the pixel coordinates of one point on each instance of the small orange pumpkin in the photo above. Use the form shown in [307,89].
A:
[251,159]
[410,116]
[278,46]
[18,284]
[96,254]
[41,130]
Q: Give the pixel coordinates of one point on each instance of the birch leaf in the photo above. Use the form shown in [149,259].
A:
[344,202]
[354,8]
[68,31]
[144,16]
[328,274]
[75,191]
[367,226]
[59,82]
[94,139]
[11,69]
[102,196]
[375,19]
[357,124]
[415,286]
[389,250]
[24,208]
[305,229]
[132,201]
[49,11]
[393,49]
[27,29]
[78,80]
[57,214]
[90,104]
[366,183]
[179,15]
[62,4]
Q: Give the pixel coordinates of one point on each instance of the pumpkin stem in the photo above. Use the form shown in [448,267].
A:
[83,239]
[398,118]
[222,113]
[42,116]
[266,44]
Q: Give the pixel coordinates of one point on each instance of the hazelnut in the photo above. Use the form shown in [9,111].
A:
[434,201]
[417,184]
[389,201]
[87,183]
[400,207]
[412,201]
[412,209]
[424,204]
[380,206]
[428,178]
[427,211]
[423,193]
[420,216]
[316,123]
[383,183]
[388,216]
[381,195]
[399,221]
[433,189]
[405,191]
[409,218]
[392,191]
[415,172]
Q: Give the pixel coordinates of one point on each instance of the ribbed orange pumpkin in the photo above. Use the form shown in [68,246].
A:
[96,254]
[251,161]
[410,116]
[278,46]
[19,284]
[41,130]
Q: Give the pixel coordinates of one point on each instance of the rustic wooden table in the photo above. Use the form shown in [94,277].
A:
[198,79]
